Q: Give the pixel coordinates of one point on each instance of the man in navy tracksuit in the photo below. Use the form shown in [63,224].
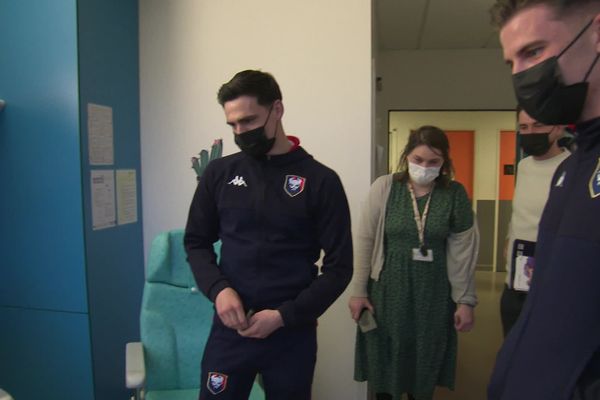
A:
[274,208]
[553,351]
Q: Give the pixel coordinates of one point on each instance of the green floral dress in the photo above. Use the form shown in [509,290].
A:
[414,346]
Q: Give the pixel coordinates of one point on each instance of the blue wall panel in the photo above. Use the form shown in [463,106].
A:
[41,229]
[108,75]
[44,337]
[69,296]
[45,354]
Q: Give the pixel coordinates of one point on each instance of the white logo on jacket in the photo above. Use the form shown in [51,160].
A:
[561,180]
[237,181]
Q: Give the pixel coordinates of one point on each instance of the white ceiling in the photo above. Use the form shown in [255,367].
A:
[434,24]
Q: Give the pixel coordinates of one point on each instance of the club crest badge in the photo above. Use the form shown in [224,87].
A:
[294,185]
[217,382]
[594,184]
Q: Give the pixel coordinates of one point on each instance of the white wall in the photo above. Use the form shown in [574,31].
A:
[445,79]
[441,80]
[320,53]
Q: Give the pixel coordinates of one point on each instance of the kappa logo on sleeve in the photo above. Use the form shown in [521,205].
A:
[594,184]
[294,185]
[217,382]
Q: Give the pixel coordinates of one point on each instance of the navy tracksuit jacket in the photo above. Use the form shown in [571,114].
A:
[552,351]
[273,217]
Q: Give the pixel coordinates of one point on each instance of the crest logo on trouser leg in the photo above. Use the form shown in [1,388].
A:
[216,383]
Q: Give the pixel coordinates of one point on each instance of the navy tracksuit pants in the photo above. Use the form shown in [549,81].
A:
[286,360]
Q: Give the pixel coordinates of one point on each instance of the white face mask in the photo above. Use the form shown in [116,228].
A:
[422,175]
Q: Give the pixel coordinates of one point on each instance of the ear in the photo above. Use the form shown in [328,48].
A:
[557,132]
[596,29]
[278,109]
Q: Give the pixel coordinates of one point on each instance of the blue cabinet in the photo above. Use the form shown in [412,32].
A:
[69,295]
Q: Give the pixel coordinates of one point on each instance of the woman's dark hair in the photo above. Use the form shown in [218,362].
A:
[253,83]
[434,138]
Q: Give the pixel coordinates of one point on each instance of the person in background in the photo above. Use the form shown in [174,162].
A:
[415,257]
[553,350]
[534,173]
[275,209]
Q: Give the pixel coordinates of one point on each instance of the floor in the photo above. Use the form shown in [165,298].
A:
[477,349]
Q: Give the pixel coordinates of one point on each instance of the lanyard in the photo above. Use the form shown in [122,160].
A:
[420,219]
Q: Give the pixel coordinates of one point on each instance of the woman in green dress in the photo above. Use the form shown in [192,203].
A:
[415,258]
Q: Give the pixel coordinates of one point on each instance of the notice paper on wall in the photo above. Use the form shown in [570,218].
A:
[126,196]
[100,134]
[103,199]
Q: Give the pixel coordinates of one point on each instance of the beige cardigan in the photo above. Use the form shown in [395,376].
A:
[461,253]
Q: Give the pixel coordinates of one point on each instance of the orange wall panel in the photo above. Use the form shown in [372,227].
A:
[462,147]
[508,143]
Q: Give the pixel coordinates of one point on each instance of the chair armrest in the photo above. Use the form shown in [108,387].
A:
[4,395]
[135,369]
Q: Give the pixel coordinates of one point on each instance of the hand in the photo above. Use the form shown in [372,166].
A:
[464,318]
[357,304]
[230,309]
[262,324]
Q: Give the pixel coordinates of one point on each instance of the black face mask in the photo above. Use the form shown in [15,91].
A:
[255,142]
[541,92]
[535,144]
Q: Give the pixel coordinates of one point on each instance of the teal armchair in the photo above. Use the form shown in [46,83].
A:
[175,322]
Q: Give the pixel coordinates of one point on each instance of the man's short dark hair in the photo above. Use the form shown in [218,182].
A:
[518,110]
[503,10]
[261,85]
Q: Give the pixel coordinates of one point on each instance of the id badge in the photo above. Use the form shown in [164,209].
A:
[523,272]
[418,256]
